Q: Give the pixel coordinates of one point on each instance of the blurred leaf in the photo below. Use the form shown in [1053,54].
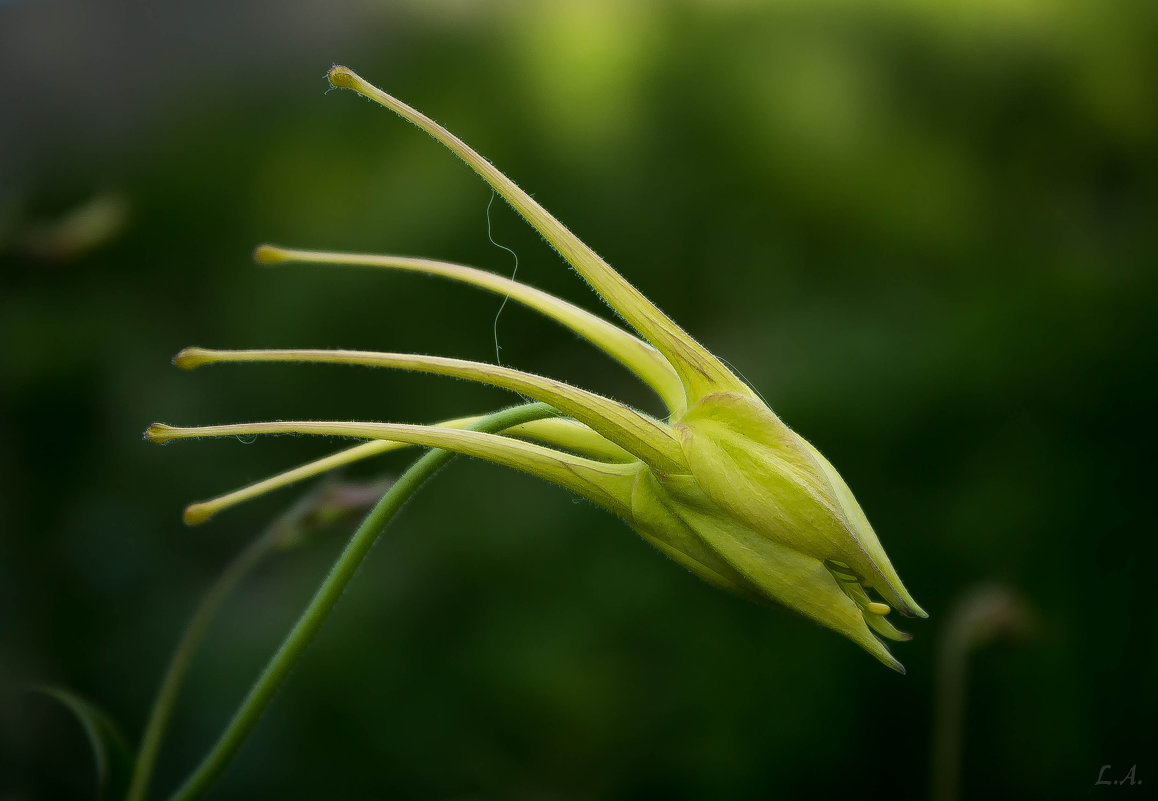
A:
[111,752]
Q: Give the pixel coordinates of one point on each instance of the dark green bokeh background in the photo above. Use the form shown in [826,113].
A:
[926,235]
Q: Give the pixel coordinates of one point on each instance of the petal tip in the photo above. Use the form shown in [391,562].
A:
[881,652]
[916,611]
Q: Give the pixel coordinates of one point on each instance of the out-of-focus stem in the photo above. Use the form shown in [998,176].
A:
[277,535]
[182,657]
[982,615]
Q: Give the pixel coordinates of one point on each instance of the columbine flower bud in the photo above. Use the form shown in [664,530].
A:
[721,485]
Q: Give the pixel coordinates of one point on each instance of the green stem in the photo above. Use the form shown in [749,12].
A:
[327,596]
[270,540]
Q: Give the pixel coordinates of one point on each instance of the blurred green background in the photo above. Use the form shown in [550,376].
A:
[925,232]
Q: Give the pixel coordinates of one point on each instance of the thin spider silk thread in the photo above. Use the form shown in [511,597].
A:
[503,305]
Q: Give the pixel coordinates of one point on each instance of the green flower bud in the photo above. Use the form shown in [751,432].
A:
[721,485]
[778,520]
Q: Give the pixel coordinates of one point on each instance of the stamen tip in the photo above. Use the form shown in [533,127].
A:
[342,77]
[192,358]
[877,608]
[269,254]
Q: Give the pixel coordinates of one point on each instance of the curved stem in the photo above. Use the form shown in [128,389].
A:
[182,657]
[327,596]
[279,534]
